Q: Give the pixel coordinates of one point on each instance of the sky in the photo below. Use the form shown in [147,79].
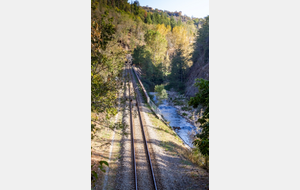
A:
[196,8]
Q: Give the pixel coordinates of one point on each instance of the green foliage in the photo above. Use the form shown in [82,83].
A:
[178,72]
[153,74]
[103,69]
[140,55]
[184,114]
[161,92]
[202,42]
[136,7]
[202,98]
[172,22]
[157,44]
[156,18]
[101,165]
[164,19]
[94,173]
[148,19]
[158,88]
[94,177]
[164,94]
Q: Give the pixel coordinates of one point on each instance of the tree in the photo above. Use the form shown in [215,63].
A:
[139,55]
[148,19]
[202,98]
[178,71]
[101,85]
[161,92]
[172,22]
[136,7]
[106,65]
[153,73]
[179,22]
[162,29]
[201,47]
[157,44]
[156,18]
[180,37]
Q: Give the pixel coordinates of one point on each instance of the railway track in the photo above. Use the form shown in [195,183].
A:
[142,166]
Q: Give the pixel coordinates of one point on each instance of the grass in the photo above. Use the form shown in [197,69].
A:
[162,129]
[196,157]
[101,150]
[186,108]
[165,133]
[166,146]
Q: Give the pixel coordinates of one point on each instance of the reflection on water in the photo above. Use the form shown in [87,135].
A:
[183,128]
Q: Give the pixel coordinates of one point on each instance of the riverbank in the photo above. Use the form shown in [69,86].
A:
[181,104]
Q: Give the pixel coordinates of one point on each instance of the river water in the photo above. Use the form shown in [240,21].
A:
[186,130]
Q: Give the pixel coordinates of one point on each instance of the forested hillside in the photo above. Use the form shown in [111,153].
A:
[161,42]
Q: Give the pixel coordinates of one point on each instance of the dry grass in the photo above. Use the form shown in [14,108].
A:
[100,145]
[196,157]
[169,138]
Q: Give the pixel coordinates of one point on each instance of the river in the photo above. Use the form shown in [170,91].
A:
[182,127]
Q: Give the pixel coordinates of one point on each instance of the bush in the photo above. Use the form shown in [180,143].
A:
[161,92]
[164,94]
[158,88]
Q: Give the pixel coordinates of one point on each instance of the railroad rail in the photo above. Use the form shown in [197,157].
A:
[134,98]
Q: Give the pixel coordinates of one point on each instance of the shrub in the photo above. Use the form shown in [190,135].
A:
[161,92]
[186,108]
[164,94]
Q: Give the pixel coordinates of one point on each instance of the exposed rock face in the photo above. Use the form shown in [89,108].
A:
[200,69]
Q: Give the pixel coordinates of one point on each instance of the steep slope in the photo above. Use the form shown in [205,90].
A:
[200,67]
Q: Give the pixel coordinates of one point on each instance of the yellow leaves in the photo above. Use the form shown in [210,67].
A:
[180,37]
[162,29]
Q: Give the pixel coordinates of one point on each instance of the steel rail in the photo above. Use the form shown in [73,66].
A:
[143,132]
[132,137]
